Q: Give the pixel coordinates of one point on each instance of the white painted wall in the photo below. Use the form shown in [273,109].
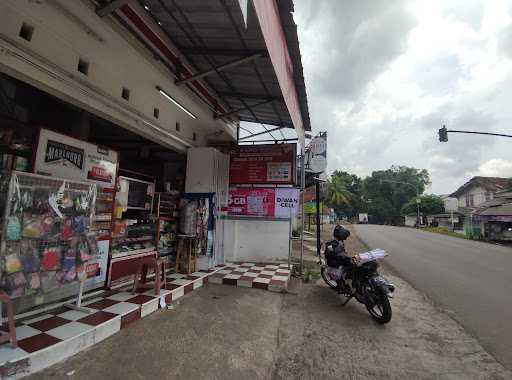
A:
[256,240]
[478,193]
[65,31]
[410,221]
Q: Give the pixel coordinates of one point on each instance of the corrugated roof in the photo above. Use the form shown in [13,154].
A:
[210,33]
[501,210]
[489,183]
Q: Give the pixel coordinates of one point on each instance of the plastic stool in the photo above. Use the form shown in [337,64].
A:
[11,335]
[142,272]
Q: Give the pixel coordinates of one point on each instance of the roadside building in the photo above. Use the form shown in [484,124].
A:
[479,190]
[495,217]
[121,145]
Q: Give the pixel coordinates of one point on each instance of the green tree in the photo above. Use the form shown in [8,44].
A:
[384,200]
[430,204]
[344,193]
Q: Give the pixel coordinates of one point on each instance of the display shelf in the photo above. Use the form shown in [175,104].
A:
[116,255]
[103,217]
[126,239]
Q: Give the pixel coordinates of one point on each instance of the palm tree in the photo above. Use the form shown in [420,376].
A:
[338,194]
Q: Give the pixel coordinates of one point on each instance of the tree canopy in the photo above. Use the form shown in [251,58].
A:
[429,204]
[383,194]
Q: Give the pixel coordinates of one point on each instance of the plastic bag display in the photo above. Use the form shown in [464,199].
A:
[46,236]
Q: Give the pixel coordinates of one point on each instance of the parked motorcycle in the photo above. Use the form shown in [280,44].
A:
[362,281]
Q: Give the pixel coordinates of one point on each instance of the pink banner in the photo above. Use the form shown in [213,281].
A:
[252,201]
[270,23]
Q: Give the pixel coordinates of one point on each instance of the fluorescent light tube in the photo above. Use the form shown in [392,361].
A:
[167,133]
[170,98]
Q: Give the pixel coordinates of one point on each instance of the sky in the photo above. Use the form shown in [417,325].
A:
[383,76]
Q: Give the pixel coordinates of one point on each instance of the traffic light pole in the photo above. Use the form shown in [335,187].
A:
[443,133]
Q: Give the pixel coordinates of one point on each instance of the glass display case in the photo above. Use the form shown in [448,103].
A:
[134,228]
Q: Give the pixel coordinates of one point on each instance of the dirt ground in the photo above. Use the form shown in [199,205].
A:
[222,332]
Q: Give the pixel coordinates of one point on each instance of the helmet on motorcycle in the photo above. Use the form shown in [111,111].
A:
[341,233]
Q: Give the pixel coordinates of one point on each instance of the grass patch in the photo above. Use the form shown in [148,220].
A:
[445,231]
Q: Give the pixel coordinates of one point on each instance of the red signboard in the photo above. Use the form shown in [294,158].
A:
[263,164]
[251,201]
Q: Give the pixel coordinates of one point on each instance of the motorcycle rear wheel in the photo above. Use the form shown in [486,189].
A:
[381,309]
[328,280]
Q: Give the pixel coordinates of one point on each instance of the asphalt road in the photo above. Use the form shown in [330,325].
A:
[471,280]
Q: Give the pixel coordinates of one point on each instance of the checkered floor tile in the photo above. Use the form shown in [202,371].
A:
[273,277]
[61,328]
[68,331]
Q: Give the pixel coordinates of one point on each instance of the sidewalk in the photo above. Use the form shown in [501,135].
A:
[225,332]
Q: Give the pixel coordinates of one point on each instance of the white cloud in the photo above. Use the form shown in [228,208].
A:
[383,76]
[495,168]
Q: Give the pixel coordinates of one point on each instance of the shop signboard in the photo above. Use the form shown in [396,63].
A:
[62,156]
[263,202]
[316,154]
[287,202]
[263,164]
[310,207]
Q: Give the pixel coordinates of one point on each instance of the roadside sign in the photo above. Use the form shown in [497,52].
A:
[316,154]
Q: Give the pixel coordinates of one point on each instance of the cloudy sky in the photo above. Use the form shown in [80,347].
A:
[383,76]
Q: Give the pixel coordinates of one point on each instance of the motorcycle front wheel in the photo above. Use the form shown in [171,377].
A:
[380,309]
[328,280]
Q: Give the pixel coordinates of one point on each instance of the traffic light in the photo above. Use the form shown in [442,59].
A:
[443,134]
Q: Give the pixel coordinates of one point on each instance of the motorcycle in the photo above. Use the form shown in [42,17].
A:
[362,281]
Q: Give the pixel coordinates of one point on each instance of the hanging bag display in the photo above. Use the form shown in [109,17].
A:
[13,228]
[50,259]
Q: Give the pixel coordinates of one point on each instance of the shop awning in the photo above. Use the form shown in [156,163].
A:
[254,72]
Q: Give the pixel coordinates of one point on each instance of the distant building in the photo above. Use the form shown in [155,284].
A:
[479,190]
[495,217]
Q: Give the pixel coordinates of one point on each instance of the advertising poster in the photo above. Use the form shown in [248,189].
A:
[263,202]
[251,201]
[287,202]
[66,157]
[263,164]
[96,268]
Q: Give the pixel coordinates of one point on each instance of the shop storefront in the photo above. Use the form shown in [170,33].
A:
[263,201]
[97,207]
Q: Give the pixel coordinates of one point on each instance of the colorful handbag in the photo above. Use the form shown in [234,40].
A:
[67,229]
[13,228]
[79,224]
[32,227]
[51,259]
[13,263]
[69,259]
[30,260]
